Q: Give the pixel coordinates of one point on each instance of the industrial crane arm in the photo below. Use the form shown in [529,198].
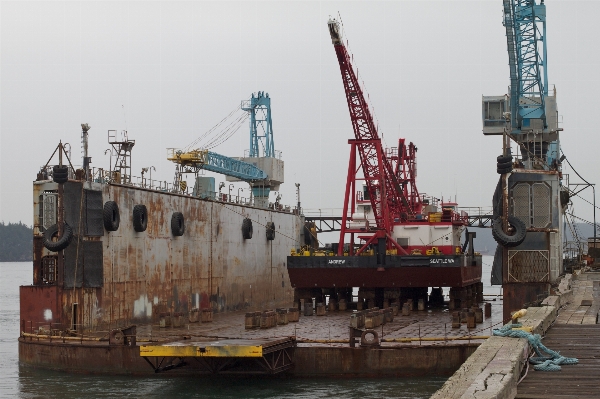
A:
[208,160]
[385,192]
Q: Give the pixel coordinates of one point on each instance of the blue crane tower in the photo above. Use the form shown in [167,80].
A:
[528,114]
[262,168]
[262,151]
[259,108]
[529,201]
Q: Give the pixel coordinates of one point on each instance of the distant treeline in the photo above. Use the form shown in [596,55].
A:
[16,242]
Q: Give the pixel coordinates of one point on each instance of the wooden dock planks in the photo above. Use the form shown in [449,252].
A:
[573,381]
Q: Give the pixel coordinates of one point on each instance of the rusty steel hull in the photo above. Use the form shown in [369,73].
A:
[122,277]
[311,361]
[398,272]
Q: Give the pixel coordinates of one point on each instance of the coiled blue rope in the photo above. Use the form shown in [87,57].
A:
[541,362]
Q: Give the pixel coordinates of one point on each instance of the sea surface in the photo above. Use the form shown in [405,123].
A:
[26,382]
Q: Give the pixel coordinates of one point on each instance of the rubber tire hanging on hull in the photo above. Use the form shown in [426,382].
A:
[111,216]
[62,242]
[247,229]
[177,224]
[509,240]
[270,231]
[140,218]
[60,174]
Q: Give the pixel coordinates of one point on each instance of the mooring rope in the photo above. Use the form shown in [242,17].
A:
[541,362]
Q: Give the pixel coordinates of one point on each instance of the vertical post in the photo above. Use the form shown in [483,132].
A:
[594,192]
[349,184]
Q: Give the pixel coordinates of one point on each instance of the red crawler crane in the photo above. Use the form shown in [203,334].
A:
[389,175]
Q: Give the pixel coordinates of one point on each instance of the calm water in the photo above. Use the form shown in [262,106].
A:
[19,381]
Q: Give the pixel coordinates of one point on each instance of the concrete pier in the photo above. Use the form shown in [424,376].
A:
[496,367]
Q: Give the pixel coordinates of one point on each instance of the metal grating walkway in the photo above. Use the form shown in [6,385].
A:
[575,381]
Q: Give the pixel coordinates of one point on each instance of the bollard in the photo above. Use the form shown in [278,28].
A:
[388,315]
[342,304]
[488,310]
[165,319]
[177,319]
[206,316]
[369,320]
[256,321]
[282,316]
[194,317]
[360,304]
[320,309]
[410,303]
[478,315]
[395,307]
[456,319]
[293,315]
[249,321]
[406,309]
[452,304]
[302,302]
[386,303]
[479,292]
[308,309]
[331,305]
[470,319]
[354,320]
[361,319]
[264,320]
[421,304]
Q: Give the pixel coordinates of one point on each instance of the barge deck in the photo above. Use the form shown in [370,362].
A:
[422,343]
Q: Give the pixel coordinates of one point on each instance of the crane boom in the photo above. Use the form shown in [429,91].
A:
[211,161]
[384,189]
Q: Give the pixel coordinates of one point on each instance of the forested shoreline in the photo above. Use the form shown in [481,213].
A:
[16,242]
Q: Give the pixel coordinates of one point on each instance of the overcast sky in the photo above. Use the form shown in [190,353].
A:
[169,71]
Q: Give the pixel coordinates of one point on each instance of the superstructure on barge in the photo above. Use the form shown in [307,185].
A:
[130,249]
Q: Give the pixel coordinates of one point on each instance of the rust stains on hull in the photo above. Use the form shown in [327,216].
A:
[147,273]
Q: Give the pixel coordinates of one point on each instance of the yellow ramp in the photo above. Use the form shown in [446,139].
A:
[224,348]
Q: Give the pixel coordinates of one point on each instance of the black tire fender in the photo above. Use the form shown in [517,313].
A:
[111,216]
[504,159]
[140,218]
[364,341]
[504,165]
[62,242]
[247,229]
[502,171]
[503,238]
[60,174]
[270,231]
[177,224]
